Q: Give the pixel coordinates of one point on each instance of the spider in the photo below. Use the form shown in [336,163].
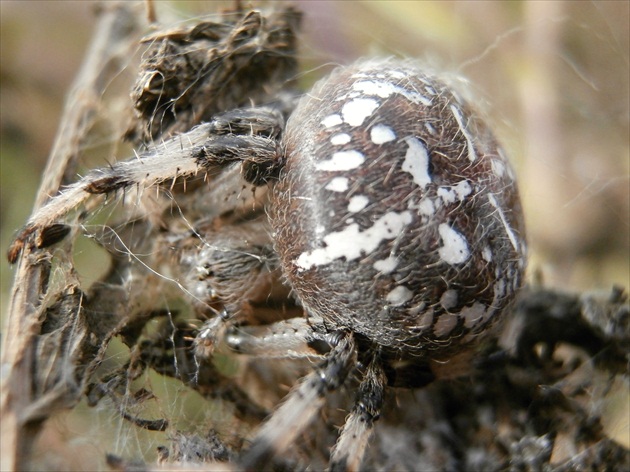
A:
[378,205]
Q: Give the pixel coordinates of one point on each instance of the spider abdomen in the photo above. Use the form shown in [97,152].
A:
[396,215]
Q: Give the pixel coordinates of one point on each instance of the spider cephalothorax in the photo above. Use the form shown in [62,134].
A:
[385,212]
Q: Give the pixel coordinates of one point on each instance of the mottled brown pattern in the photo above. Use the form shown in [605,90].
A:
[303,213]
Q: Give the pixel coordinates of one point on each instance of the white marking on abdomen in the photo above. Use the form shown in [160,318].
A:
[497,167]
[399,295]
[449,299]
[425,207]
[473,314]
[342,160]
[472,155]
[455,247]
[417,162]
[339,139]
[508,229]
[372,87]
[338,184]
[356,111]
[381,134]
[385,89]
[351,243]
[332,120]
[358,203]
[456,192]
[486,253]
[386,266]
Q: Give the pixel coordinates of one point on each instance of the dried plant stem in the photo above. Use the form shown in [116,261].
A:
[24,408]
[102,60]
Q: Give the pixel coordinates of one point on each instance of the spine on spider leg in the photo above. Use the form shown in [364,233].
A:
[347,454]
[300,407]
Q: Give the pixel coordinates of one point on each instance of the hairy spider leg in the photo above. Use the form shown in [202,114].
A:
[293,338]
[208,145]
[353,440]
[301,405]
[297,337]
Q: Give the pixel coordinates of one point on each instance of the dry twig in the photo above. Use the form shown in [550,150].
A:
[27,399]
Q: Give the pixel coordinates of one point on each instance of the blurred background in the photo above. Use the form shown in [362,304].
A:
[553,78]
